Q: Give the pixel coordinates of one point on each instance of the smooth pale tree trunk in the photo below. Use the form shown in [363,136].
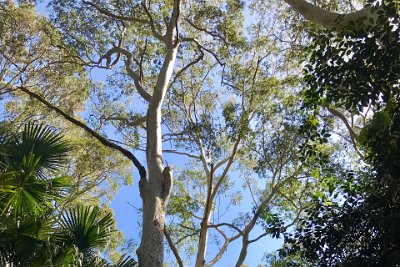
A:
[156,189]
[203,238]
[243,251]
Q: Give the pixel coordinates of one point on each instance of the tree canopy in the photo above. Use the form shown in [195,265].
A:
[242,120]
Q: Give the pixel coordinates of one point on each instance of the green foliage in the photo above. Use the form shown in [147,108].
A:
[30,157]
[33,231]
[333,74]
[352,221]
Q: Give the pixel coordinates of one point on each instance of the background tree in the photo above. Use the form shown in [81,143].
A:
[345,225]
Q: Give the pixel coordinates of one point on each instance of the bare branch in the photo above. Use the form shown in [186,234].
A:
[203,48]
[258,238]
[152,24]
[173,24]
[180,153]
[225,224]
[353,135]
[115,16]
[186,236]
[328,19]
[181,71]
[137,122]
[103,140]
[222,162]
[172,246]
[129,60]
[223,248]
[227,167]
[212,33]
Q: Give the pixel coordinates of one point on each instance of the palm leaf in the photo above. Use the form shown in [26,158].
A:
[28,156]
[86,228]
[24,240]
[47,147]
[126,261]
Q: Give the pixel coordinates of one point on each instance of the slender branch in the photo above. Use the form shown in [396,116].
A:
[137,122]
[129,59]
[225,172]
[103,140]
[266,201]
[186,236]
[180,153]
[172,246]
[181,71]
[152,24]
[225,224]
[222,162]
[114,16]
[203,48]
[353,135]
[213,34]
[223,248]
[258,238]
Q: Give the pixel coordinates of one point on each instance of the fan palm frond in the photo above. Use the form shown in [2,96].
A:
[85,228]
[24,161]
[126,261]
[41,147]
[24,240]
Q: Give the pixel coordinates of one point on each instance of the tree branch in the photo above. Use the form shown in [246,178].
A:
[129,60]
[225,224]
[225,172]
[151,22]
[114,16]
[172,246]
[223,248]
[103,140]
[181,71]
[180,153]
[353,135]
[173,23]
[203,48]
[329,19]
[213,34]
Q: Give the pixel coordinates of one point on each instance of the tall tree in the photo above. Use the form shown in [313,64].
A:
[143,41]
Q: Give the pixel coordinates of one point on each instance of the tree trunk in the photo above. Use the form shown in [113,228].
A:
[151,250]
[243,251]
[155,190]
[202,249]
